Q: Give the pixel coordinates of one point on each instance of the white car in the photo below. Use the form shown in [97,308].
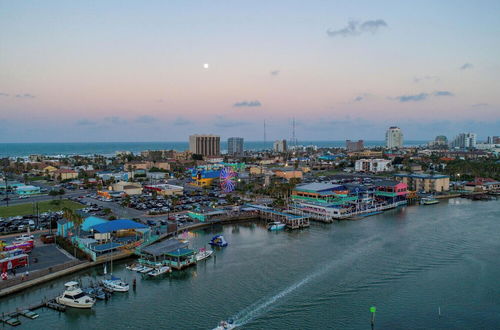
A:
[24,237]
[23,197]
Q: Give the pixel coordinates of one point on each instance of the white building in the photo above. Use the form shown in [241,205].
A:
[464,141]
[394,138]
[279,146]
[205,145]
[372,165]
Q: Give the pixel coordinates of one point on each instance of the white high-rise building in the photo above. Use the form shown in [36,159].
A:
[394,138]
[464,141]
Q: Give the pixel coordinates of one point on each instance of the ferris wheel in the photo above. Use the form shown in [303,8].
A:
[227,179]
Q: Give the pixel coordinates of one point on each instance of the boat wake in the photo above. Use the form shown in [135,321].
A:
[251,312]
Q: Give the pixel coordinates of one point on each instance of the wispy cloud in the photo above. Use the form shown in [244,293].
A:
[145,119]
[479,105]
[361,97]
[443,93]
[179,121]
[85,122]
[4,94]
[421,96]
[426,78]
[355,28]
[466,66]
[247,104]
[275,72]
[25,96]
[412,98]
[115,120]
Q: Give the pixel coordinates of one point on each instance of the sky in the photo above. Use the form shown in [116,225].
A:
[83,71]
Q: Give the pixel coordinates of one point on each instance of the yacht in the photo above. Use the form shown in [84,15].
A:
[73,296]
[115,284]
[276,226]
[203,254]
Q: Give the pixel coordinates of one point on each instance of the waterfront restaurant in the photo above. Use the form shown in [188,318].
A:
[171,252]
[391,190]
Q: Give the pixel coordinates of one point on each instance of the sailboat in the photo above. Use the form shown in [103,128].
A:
[114,284]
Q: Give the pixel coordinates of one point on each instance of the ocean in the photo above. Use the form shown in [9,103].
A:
[110,148]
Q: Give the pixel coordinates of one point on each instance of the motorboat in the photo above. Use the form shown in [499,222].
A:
[73,296]
[138,268]
[159,271]
[203,254]
[95,292]
[276,226]
[428,201]
[226,325]
[115,284]
[218,240]
[145,269]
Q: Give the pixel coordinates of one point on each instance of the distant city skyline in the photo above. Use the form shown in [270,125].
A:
[162,71]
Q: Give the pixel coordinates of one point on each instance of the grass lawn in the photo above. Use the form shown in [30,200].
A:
[45,206]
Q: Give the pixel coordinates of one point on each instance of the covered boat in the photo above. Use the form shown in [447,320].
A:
[115,284]
[276,226]
[218,240]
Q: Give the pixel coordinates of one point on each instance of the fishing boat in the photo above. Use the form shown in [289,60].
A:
[203,254]
[159,271]
[73,296]
[218,240]
[226,325]
[428,201]
[276,225]
[115,284]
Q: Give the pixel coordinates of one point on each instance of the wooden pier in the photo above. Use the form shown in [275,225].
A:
[12,318]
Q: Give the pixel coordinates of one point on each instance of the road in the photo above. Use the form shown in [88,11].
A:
[14,199]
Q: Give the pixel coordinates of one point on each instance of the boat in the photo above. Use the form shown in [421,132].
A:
[95,292]
[203,254]
[226,325]
[428,201]
[218,240]
[137,268]
[73,296]
[159,271]
[145,270]
[29,314]
[276,225]
[115,284]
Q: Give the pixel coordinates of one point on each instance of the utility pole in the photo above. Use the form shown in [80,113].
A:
[265,142]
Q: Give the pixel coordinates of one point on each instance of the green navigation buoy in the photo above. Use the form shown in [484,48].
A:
[373,309]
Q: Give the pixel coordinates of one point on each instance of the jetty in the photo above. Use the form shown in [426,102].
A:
[12,318]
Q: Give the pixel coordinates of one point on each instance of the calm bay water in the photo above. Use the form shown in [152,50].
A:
[109,148]
[407,262]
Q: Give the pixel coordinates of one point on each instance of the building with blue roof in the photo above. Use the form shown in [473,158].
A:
[117,225]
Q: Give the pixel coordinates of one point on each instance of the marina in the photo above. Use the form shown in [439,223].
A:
[429,243]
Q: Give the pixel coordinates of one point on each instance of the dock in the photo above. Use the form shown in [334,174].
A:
[12,318]
[292,221]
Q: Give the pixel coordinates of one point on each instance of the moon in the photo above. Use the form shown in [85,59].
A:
[205,66]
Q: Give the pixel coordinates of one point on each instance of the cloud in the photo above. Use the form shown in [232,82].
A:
[85,122]
[361,97]
[424,78]
[355,28]
[25,96]
[275,72]
[115,120]
[145,119]
[412,98]
[247,104]
[466,66]
[443,93]
[479,105]
[4,94]
[179,121]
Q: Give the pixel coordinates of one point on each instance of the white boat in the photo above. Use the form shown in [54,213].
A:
[73,296]
[203,254]
[276,226]
[158,271]
[145,270]
[226,325]
[137,268]
[115,284]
